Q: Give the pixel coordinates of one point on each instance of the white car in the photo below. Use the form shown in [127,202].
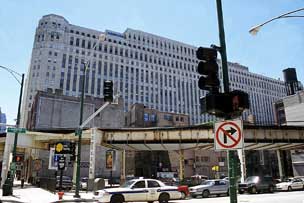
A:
[139,190]
[290,184]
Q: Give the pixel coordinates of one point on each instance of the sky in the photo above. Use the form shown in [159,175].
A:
[278,45]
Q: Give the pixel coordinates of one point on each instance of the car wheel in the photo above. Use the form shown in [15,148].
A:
[253,190]
[117,199]
[271,189]
[163,198]
[183,195]
[241,192]
[289,188]
[150,202]
[228,192]
[206,194]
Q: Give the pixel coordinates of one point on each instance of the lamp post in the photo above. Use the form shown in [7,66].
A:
[79,130]
[254,30]
[13,164]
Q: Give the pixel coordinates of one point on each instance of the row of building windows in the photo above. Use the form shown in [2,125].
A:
[145,40]
[117,50]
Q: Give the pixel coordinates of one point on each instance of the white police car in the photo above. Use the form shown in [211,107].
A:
[139,190]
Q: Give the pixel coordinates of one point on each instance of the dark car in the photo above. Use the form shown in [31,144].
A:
[67,183]
[256,184]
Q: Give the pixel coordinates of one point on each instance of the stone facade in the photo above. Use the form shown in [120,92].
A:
[56,111]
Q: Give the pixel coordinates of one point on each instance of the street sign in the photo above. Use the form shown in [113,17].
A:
[63,147]
[228,135]
[16,130]
[61,163]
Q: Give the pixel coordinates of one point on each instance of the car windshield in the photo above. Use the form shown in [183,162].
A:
[127,184]
[207,182]
[252,179]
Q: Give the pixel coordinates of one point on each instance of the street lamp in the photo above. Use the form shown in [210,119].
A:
[78,132]
[13,164]
[254,30]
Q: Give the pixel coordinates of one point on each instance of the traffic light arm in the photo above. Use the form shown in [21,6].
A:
[93,115]
[97,112]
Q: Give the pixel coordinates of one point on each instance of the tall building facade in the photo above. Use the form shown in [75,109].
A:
[155,71]
[2,121]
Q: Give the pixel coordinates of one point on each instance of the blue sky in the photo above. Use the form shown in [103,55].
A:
[278,45]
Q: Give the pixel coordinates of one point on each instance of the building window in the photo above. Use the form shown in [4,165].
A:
[205,159]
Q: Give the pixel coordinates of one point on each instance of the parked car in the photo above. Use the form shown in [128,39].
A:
[139,190]
[210,187]
[67,183]
[193,180]
[254,184]
[290,184]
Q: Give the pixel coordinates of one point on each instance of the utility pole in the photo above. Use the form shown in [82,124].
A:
[79,133]
[13,164]
[231,154]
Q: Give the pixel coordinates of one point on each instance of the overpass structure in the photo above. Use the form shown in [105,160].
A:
[168,138]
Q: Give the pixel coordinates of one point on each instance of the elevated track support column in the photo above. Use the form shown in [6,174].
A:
[181,164]
[123,167]
[280,164]
[241,154]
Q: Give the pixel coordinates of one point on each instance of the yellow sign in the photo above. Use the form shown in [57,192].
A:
[59,147]
[215,168]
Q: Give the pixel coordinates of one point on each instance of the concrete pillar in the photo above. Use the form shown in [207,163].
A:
[280,164]
[92,154]
[6,156]
[181,164]
[241,154]
[123,166]
[75,166]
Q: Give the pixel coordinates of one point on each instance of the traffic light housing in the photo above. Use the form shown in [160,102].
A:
[208,68]
[225,104]
[108,90]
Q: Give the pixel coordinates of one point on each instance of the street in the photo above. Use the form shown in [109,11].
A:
[37,195]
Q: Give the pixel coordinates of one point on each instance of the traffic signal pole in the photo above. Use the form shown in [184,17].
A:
[231,154]
[79,133]
[13,164]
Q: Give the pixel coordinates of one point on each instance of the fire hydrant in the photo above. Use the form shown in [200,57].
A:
[60,195]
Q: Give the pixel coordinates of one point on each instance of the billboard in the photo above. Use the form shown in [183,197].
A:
[110,159]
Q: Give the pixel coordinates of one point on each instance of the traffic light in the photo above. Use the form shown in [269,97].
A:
[108,90]
[240,101]
[208,68]
[225,104]
[216,104]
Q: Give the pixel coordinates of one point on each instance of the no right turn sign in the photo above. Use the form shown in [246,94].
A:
[228,135]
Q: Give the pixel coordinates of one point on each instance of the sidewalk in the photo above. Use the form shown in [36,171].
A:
[32,194]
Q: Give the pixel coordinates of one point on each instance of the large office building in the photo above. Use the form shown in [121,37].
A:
[149,69]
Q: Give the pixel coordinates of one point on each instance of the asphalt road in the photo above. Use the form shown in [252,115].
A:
[278,197]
